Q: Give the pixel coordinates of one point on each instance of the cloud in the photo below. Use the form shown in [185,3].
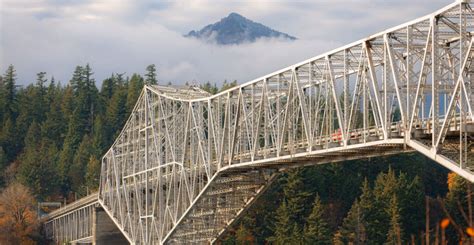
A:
[127,35]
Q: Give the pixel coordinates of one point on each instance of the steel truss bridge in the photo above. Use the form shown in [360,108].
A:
[187,164]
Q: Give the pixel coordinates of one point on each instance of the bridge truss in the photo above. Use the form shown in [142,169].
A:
[187,164]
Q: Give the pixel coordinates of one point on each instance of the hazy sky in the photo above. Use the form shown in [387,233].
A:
[126,35]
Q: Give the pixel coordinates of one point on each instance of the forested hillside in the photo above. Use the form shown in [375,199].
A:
[53,134]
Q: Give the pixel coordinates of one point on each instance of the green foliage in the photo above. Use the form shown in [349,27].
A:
[353,229]
[37,168]
[135,86]
[283,230]
[92,173]
[395,232]
[8,91]
[290,217]
[316,230]
[7,138]
[77,171]
[150,76]
[208,87]
[60,132]
[226,85]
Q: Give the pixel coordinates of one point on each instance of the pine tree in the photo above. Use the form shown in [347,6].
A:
[72,140]
[92,177]
[135,86]
[150,76]
[212,89]
[77,171]
[85,96]
[39,98]
[37,164]
[226,86]
[411,199]
[33,136]
[99,140]
[108,88]
[67,103]
[316,230]
[395,231]
[7,98]
[291,213]
[283,225]
[378,218]
[8,139]
[296,197]
[116,114]
[53,128]
[353,229]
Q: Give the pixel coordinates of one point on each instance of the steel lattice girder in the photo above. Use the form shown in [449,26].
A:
[72,223]
[187,164]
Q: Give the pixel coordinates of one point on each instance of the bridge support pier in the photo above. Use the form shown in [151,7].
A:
[104,230]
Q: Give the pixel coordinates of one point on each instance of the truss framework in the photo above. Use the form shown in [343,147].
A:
[73,223]
[187,164]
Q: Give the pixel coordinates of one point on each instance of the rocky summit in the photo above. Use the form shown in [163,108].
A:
[236,29]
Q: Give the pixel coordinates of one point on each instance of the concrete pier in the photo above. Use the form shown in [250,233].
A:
[104,230]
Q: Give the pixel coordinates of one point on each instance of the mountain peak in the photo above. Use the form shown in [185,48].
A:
[236,29]
[235,15]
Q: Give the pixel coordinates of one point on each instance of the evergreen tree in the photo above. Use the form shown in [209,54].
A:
[37,164]
[53,128]
[212,89]
[135,86]
[150,76]
[40,98]
[378,219]
[116,114]
[8,92]
[33,136]
[226,86]
[411,199]
[291,213]
[92,176]
[71,143]
[8,139]
[283,225]
[316,229]
[67,103]
[108,88]
[395,231]
[77,171]
[353,229]
[296,197]
[99,140]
